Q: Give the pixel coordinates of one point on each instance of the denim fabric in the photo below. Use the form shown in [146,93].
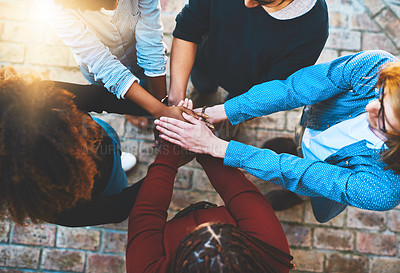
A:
[118,180]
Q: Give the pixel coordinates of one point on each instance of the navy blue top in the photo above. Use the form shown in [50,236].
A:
[241,46]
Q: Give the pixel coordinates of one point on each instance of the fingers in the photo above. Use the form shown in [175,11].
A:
[187,103]
[191,118]
[172,140]
[168,132]
[190,105]
[210,125]
[165,121]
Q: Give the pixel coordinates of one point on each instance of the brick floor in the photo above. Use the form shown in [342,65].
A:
[356,241]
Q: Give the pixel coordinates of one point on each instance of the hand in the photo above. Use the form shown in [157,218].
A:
[193,135]
[216,113]
[186,106]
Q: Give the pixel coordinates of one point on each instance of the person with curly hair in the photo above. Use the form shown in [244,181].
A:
[243,236]
[351,141]
[57,163]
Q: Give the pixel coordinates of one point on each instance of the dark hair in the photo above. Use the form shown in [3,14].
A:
[86,4]
[46,160]
[217,248]
[281,145]
[389,77]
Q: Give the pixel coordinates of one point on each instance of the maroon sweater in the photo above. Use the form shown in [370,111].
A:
[152,240]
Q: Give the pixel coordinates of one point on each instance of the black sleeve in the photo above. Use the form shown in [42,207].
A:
[193,21]
[93,98]
[100,210]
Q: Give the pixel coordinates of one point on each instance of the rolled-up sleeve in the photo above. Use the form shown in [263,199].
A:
[102,65]
[151,51]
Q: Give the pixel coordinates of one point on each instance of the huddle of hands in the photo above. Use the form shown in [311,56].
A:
[188,128]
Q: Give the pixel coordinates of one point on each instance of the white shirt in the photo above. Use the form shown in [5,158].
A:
[295,9]
[318,145]
[108,45]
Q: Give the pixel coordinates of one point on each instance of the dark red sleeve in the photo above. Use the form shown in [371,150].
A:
[250,209]
[145,250]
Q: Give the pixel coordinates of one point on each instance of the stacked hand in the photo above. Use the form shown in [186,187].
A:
[192,133]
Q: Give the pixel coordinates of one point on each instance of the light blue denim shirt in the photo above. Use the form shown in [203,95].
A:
[109,45]
[337,91]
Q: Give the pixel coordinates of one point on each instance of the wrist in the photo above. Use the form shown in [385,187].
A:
[160,110]
[217,148]
[176,95]
[216,113]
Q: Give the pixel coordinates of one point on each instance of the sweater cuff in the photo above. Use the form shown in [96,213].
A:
[234,153]
[128,85]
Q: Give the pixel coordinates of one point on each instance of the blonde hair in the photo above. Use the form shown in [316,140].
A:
[389,77]
[84,4]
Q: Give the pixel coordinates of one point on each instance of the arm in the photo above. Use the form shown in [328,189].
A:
[100,210]
[245,202]
[191,24]
[318,178]
[72,30]
[150,48]
[158,86]
[145,250]
[310,85]
[183,54]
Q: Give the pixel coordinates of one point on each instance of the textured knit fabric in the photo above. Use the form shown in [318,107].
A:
[152,241]
[337,91]
[108,49]
[239,47]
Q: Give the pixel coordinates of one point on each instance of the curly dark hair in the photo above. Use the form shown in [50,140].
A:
[87,4]
[47,149]
[220,248]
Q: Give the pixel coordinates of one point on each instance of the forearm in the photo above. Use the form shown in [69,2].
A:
[158,86]
[183,54]
[216,147]
[140,96]
[227,181]
[156,190]
[149,215]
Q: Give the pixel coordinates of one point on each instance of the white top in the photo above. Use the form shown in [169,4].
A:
[108,45]
[318,145]
[295,9]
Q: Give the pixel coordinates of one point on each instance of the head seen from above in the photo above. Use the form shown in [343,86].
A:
[47,149]
[217,248]
[88,4]
[384,113]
